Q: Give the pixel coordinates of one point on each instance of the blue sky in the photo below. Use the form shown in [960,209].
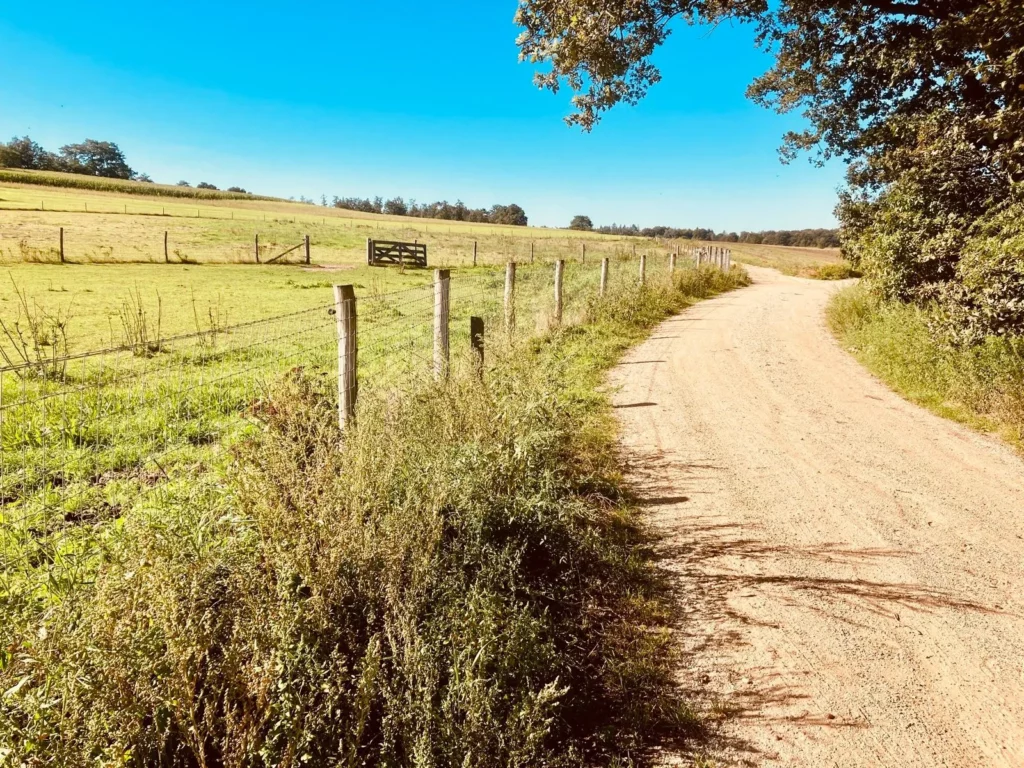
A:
[423,100]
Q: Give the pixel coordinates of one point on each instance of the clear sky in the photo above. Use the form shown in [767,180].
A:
[423,100]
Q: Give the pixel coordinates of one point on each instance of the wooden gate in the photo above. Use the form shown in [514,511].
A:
[382,252]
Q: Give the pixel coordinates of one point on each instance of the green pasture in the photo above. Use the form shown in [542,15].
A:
[84,439]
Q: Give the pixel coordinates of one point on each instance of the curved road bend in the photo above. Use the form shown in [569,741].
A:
[850,567]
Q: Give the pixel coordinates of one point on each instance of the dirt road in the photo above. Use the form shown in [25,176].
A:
[850,566]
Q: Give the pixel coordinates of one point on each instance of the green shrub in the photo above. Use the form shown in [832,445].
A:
[981,384]
[839,271]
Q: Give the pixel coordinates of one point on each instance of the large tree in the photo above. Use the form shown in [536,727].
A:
[861,71]
[25,153]
[923,98]
[95,158]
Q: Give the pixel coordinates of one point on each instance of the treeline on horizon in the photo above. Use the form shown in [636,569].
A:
[797,238]
[511,214]
[103,159]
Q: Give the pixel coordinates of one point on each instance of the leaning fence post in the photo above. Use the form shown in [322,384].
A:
[510,298]
[531,251]
[307,249]
[559,269]
[643,268]
[604,276]
[345,316]
[166,257]
[476,341]
[442,285]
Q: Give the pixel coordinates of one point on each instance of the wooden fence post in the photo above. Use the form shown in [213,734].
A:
[442,286]
[559,269]
[345,316]
[369,251]
[510,296]
[643,268]
[476,341]
[307,249]
[531,251]
[672,261]
[256,248]
[583,258]
[62,245]
[167,258]
[604,276]
[474,253]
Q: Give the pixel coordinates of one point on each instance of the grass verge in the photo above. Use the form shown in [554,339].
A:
[981,386]
[458,580]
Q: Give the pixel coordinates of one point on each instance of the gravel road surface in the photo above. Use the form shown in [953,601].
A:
[850,567]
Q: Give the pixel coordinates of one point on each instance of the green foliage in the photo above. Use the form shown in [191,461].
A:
[457,580]
[924,99]
[582,223]
[981,384]
[838,271]
[95,158]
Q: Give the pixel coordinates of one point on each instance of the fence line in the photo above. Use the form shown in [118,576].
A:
[89,436]
[69,245]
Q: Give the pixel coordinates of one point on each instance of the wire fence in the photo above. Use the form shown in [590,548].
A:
[191,236]
[86,437]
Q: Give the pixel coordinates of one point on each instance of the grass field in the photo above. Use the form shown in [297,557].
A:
[107,226]
[460,526]
[823,263]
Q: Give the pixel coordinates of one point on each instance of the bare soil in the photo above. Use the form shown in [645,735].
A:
[849,567]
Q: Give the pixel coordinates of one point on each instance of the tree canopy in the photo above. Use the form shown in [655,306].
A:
[581,222]
[858,69]
[924,99]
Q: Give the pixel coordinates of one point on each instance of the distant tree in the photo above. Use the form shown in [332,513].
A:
[582,223]
[239,189]
[95,158]
[508,214]
[144,178]
[25,153]
[396,207]
[205,185]
[184,183]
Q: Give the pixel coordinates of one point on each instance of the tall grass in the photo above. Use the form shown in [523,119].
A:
[980,385]
[458,580]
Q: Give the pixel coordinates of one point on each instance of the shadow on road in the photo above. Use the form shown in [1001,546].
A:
[699,558]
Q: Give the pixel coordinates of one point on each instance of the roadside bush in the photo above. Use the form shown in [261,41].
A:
[981,384]
[987,298]
[837,271]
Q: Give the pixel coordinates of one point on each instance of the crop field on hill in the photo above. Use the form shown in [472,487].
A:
[106,226]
